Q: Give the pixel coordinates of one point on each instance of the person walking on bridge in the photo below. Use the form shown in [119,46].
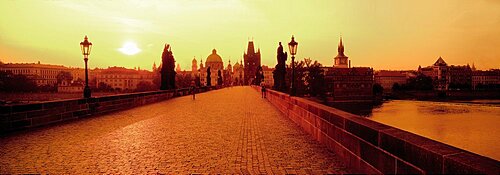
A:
[263,89]
[193,89]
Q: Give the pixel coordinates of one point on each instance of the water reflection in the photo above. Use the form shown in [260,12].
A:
[362,109]
[470,125]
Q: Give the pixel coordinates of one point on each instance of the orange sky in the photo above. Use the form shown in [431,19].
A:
[382,34]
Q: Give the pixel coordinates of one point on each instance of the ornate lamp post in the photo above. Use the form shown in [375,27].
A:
[292,45]
[86,46]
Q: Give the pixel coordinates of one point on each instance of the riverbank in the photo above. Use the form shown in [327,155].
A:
[443,95]
[26,98]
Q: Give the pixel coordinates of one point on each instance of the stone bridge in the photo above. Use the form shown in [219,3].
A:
[231,130]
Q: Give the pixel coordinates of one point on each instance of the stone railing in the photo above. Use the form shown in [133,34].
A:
[16,117]
[370,147]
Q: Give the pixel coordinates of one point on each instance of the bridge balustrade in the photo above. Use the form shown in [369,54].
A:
[24,116]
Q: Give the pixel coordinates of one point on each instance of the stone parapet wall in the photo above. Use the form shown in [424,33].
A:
[18,117]
[370,147]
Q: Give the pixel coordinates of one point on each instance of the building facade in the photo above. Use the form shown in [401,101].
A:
[349,84]
[486,78]
[41,74]
[445,77]
[346,84]
[387,78]
[214,61]
[121,78]
[268,76]
[252,62]
[238,73]
[459,77]
[70,87]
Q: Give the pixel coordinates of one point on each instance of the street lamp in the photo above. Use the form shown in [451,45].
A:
[86,46]
[292,45]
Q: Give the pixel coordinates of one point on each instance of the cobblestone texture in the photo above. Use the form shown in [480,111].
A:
[230,130]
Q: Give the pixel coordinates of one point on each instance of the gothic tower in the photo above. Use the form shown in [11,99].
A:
[194,65]
[341,61]
[252,62]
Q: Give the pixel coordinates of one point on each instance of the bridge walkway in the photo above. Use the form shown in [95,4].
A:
[232,130]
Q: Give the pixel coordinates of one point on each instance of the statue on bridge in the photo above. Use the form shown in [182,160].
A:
[219,78]
[167,69]
[280,70]
[209,78]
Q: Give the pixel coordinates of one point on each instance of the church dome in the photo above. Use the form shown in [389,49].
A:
[214,57]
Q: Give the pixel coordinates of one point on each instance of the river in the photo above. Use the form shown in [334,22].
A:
[470,125]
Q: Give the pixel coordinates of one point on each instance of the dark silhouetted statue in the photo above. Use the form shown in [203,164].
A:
[167,69]
[280,70]
[209,78]
[219,78]
[259,76]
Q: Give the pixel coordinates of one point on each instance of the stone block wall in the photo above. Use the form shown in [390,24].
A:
[370,147]
[23,116]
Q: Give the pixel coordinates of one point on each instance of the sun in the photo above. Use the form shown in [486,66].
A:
[129,48]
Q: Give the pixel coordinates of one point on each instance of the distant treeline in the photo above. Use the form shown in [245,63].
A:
[10,82]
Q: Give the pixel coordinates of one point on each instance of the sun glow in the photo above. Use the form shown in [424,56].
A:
[129,48]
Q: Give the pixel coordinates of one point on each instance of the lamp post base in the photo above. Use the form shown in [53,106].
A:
[86,92]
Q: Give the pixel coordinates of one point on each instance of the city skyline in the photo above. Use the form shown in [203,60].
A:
[404,34]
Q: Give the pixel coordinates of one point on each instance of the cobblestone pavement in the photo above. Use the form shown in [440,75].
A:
[231,130]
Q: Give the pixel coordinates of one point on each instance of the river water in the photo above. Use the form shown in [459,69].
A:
[470,125]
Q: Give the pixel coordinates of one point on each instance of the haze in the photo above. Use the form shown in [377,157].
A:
[381,34]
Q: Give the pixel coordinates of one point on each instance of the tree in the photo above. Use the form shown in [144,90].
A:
[79,81]
[420,83]
[315,78]
[184,80]
[377,89]
[396,87]
[219,78]
[157,79]
[47,88]
[258,76]
[16,83]
[144,86]
[209,78]
[167,69]
[299,79]
[64,76]
[104,87]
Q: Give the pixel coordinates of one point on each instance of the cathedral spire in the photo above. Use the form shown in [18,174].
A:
[341,60]
[341,47]
[250,49]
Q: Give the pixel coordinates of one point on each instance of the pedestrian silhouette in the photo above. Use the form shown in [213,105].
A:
[263,90]
[193,89]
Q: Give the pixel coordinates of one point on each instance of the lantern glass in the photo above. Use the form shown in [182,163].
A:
[86,46]
[82,48]
[292,45]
